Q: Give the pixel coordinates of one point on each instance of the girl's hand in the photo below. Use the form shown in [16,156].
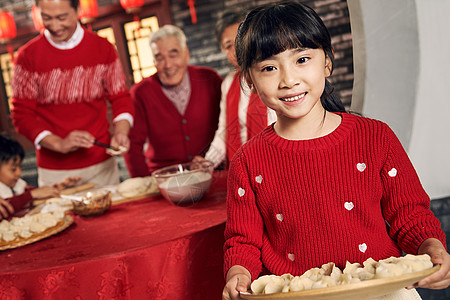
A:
[44,192]
[440,279]
[6,209]
[238,280]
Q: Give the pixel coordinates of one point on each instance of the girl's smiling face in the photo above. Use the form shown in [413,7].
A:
[291,82]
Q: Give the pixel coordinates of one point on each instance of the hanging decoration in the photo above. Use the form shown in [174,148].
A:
[133,7]
[191,4]
[88,12]
[37,18]
[8,31]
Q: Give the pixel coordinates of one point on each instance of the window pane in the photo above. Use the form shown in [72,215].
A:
[141,58]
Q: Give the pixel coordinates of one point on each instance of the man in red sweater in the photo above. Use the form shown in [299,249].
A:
[61,81]
[177,109]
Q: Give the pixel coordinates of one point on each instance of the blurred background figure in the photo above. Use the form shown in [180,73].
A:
[61,81]
[15,193]
[177,109]
[242,114]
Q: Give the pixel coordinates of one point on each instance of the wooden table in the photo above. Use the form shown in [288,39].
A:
[146,249]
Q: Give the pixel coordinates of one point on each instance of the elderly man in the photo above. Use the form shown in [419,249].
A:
[177,108]
[62,80]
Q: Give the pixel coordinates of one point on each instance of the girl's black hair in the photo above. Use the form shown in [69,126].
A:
[273,28]
[73,3]
[10,149]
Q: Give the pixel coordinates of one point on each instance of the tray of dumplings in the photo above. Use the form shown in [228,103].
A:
[370,280]
[31,228]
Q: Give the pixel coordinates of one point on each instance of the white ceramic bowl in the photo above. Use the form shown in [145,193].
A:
[184,183]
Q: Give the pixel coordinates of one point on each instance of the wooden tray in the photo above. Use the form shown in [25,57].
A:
[354,291]
[19,242]
[69,191]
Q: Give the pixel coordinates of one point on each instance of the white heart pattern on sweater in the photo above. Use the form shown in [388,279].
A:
[280,217]
[259,179]
[361,167]
[291,256]
[349,205]
[241,192]
[363,247]
[393,172]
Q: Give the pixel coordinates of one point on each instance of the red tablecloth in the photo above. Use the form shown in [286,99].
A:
[146,249]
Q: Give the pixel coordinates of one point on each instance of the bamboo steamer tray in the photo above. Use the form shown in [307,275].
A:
[19,242]
[354,291]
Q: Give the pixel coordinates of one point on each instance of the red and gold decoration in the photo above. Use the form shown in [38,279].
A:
[88,12]
[8,31]
[133,7]
[37,18]
[191,4]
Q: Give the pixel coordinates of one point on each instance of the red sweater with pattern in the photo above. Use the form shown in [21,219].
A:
[65,90]
[172,138]
[347,196]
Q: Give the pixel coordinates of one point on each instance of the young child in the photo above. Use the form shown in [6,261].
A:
[14,191]
[320,185]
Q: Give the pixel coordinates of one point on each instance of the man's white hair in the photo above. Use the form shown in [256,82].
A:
[168,30]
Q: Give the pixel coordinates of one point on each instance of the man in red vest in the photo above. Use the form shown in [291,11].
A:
[177,109]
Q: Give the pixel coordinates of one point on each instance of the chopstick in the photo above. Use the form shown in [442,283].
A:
[106,146]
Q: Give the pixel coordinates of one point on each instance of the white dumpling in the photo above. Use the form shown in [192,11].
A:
[415,263]
[299,283]
[24,233]
[275,285]
[37,227]
[350,268]
[386,270]
[259,284]
[369,265]
[347,279]
[314,274]
[8,236]
[325,281]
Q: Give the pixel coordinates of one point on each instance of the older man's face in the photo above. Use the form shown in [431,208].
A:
[171,60]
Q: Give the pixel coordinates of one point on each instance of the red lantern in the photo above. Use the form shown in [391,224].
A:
[8,31]
[8,28]
[88,11]
[132,6]
[37,18]
[191,4]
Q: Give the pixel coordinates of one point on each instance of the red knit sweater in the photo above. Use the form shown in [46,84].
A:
[65,90]
[172,138]
[295,205]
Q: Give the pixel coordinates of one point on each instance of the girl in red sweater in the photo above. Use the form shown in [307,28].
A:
[319,185]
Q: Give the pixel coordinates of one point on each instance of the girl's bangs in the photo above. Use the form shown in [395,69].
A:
[277,35]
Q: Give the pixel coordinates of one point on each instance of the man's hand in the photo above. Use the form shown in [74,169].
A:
[74,140]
